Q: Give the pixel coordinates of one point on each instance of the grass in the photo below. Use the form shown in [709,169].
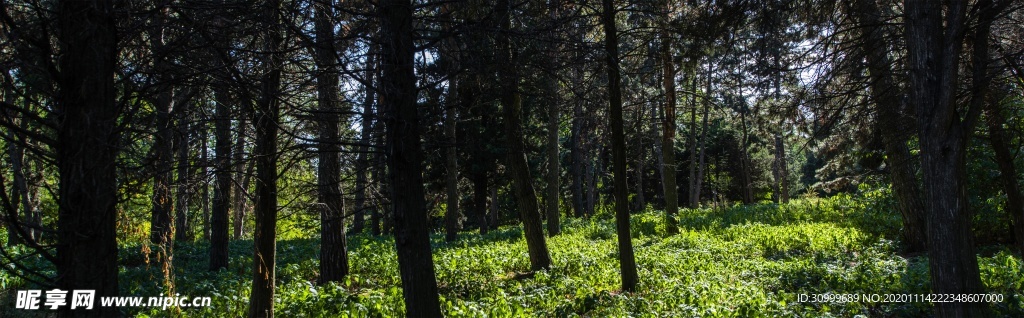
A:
[741,261]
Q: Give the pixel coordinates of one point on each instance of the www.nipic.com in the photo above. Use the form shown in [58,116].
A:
[34,299]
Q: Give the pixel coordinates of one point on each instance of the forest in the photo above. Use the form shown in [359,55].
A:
[507,158]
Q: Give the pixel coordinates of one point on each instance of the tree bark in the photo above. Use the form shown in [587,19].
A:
[934,47]
[267,114]
[184,180]
[333,250]
[362,159]
[668,135]
[222,189]
[452,215]
[886,96]
[160,225]
[87,145]
[242,178]
[553,184]
[627,262]
[518,167]
[699,182]
[412,240]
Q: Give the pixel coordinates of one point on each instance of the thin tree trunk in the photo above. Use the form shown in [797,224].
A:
[18,196]
[261,299]
[577,169]
[241,179]
[363,160]
[87,145]
[553,185]
[698,183]
[160,224]
[204,172]
[453,215]
[668,135]
[222,188]
[627,262]
[184,178]
[691,141]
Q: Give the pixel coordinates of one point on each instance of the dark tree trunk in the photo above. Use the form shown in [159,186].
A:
[331,203]
[267,114]
[691,140]
[452,215]
[480,199]
[242,178]
[222,189]
[412,240]
[494,205]
[518,167]
[699,182]
[203,172]
[553,180]
[578,169]
[184,179]
[363,159]
[886,96]
[627,262]
[668,135]
[934,47]
[160,224]
[86,152]
[553,185]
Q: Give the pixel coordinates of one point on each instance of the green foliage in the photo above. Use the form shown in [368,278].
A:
[740,261]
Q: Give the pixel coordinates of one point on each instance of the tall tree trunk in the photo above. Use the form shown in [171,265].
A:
[518,167]
[184,179]
[87,145]
[691,141]
[204,172]
[699,182]
[19,200]
[241,179]
[668,135]
[333,251]
[222,189]
[578,168]
[160,224]
[627,262]
[412,240]
[934,47]
[267,114]
[163,143]
[895,135]
[363,159]
[452,215]
[553,184]
[639,202]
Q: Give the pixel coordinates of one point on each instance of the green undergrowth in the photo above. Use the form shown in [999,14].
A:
[740,261]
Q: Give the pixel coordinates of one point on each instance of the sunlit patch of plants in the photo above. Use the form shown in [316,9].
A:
[739,261]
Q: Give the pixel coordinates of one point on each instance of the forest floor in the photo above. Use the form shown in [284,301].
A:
[741,261]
